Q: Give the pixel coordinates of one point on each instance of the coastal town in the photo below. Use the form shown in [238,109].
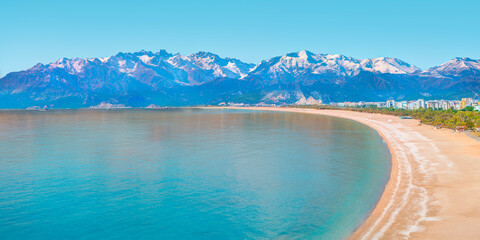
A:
[439,104]
[458,115]
[416,104]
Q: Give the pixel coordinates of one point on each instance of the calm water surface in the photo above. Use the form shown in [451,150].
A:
[186,174]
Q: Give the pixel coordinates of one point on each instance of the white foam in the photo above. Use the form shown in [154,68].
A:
[404,167]
[407,152]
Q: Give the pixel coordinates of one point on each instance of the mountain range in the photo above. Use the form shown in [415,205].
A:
[144,78]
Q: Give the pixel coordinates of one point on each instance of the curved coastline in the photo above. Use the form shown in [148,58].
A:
[427,180]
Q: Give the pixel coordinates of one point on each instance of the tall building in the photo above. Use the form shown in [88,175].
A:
[466,102]
[421,103]
[390,103]
[445,105]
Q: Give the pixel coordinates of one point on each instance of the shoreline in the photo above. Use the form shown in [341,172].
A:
[434,186]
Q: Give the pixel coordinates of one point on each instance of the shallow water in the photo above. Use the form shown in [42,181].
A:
[186,174]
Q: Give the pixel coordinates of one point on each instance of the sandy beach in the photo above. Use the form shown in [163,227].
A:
[434,186]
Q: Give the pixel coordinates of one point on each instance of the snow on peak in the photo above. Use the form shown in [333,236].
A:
[60,63]
[219,67]
[146,59]
[297,63]
[73,66]
[455,67]
[104,59]
[388,65]
[304,54]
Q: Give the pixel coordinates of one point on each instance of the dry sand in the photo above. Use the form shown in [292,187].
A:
[434,187]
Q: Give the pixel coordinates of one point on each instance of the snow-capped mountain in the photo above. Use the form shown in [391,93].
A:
[203,66]
[457,67]
[297,64]
[144,78]
[174,68]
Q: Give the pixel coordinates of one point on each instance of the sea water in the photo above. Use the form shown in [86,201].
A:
[186,174]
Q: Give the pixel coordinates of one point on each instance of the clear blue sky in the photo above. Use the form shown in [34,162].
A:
[422,32]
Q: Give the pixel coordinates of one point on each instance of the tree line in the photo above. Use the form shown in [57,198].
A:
[440,118]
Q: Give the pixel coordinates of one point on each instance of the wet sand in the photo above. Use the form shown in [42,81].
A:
[434,186]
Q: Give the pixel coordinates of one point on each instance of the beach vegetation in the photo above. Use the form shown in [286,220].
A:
[449,118]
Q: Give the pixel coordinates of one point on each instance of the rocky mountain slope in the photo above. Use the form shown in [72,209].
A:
[143,78]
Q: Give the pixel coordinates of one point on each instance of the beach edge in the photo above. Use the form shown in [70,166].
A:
[366,227]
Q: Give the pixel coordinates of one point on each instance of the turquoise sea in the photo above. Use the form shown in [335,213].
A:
[186,174]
